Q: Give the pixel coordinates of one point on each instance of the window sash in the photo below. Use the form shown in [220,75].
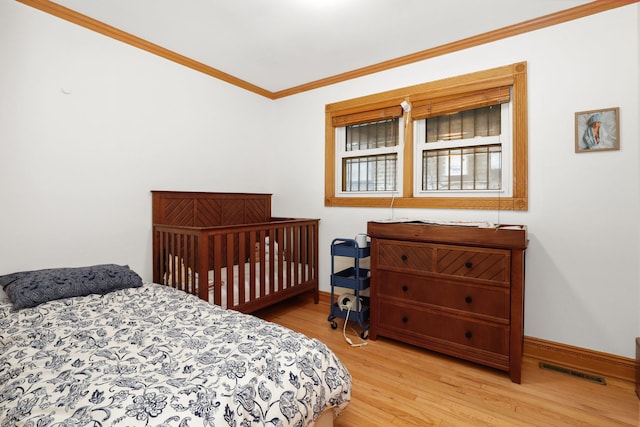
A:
[370,173]
[464,125]
[448,167]
[369,158]
[466,169]
[378,134]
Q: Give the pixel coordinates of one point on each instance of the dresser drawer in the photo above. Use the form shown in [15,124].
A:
[492,265]
[492,301]
[406,256]
[454,289]
[444,328]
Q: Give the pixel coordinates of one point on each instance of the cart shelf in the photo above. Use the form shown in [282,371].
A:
[349,248]
[353,278]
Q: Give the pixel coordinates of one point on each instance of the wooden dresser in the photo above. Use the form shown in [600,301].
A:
[458,290]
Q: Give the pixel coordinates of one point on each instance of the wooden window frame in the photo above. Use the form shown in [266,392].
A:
[514,75]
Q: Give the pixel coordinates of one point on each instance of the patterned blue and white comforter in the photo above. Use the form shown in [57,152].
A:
[154,356]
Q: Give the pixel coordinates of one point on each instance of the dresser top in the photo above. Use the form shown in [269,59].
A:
[501,236]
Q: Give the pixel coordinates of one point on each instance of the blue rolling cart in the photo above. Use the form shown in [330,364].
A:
[353,305]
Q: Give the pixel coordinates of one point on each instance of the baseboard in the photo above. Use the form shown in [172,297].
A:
[582,359]
[577,358]
[325,298]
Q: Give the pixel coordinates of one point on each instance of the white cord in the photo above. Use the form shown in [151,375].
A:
[500,189]
[393,198]
[344,331]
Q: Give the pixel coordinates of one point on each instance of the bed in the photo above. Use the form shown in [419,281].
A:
[146,354]
[227,249]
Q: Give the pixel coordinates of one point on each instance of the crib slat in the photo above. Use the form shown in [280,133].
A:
[242,255]
[188,258]
[254,257]
[217,269]
[230,280]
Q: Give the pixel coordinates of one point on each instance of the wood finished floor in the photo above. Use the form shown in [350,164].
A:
[400,385]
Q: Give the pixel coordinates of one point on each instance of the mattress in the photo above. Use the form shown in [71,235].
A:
[303,271]
[158,356]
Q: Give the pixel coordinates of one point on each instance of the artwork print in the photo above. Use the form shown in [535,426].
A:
[598,130]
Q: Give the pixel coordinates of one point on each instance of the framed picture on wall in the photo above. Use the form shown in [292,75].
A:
[598,130]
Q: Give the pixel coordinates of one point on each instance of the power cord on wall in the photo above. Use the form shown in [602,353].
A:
[406,109]
[393,198]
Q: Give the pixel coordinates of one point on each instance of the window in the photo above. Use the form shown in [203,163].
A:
[454,143]
[464,153]
[369,157]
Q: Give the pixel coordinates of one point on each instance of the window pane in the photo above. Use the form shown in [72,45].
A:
[429,170]
[493,119]
[470,168]
[455,169]
[468,124]
[495,168]
[370,173]
[443,127]
[432,130]
[483,121]
[482,168]
[367,136]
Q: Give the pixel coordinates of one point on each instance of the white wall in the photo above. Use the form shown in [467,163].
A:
[76,169]
[582,277]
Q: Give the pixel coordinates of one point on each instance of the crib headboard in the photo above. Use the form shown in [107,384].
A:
[203,209]
[198,234]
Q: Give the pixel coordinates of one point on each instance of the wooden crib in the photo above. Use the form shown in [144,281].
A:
[227,249]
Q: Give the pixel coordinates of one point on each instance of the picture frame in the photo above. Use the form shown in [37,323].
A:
[597,130]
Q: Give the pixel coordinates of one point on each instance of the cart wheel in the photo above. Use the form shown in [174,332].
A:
[334,325]
[365,334]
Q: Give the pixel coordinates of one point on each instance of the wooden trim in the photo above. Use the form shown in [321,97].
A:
[582,359]
[482,203]
[329,159]
[457,85]
[514,75]
[638,367]
[520,144]
[563,16]
[325,298]
[407,157]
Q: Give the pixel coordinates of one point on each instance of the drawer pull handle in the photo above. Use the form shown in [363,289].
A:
[468,334]
[404,257]
[468,299]
[468,264]
[405,319]
[405,288]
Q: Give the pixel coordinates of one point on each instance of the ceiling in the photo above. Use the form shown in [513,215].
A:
[271,46]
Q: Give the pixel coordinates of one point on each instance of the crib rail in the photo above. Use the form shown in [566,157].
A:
[278,259]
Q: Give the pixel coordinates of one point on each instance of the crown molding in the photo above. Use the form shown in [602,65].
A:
[577,12]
